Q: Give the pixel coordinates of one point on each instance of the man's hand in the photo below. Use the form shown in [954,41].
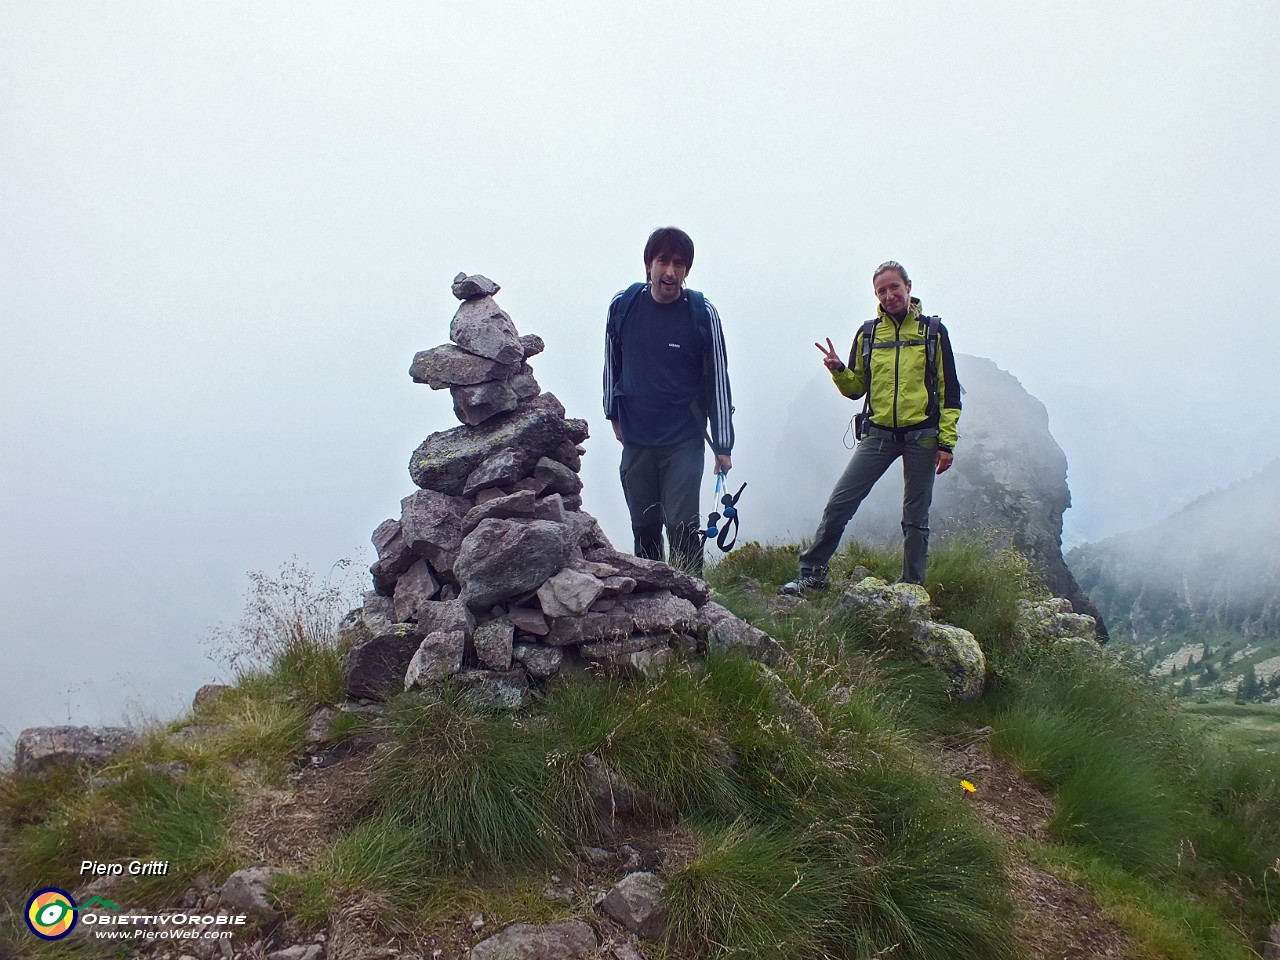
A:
[830,359]
[942,459]
[617,430]
[724,463]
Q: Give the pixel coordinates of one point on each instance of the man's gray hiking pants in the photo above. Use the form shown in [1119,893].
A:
[872,457]
[661,485]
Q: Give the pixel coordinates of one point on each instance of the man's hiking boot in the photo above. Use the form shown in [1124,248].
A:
[804,583]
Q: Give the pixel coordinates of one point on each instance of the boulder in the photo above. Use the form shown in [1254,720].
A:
[569,592]
[1054,621]
[376,668]
[643,654]
[482,327]
[533,345]
[493,642]
[245,891]
[42,748]
[394,556]
[414,588]
[431,523]
[494,689]
[528,620]
[727,632]
[954,652]
[661,611]
[615,624]
[539,661]
[522,503]
[438,656]
[636,903]
[475,404]
[567,940]
[560,479]
[504,558]
[875,599]
[448,366]
[473,287]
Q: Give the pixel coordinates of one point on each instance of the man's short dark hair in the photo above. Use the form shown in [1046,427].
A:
[891,265]
[671,241]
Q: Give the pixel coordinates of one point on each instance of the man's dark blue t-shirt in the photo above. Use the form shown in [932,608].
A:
[661,382]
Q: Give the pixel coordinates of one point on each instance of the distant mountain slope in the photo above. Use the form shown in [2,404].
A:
[1214,564]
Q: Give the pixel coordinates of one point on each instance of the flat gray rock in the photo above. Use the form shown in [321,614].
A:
[568,940]
[450,366]
[636,903]
[42,748]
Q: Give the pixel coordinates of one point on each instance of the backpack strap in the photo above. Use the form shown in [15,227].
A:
[625,305]
[929,327]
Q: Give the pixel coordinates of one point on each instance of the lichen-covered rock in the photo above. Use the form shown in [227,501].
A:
[448,366]
[505,558]
[1054,621]
[41,748]
[494,689]
[482,327]
[954,652]
[567,940]
[438,657]
[539,661]
[376,668]
[394,556]
[878,600]
[493,643]
[636,903]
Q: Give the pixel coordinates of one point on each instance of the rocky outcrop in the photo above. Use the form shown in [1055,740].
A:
[569,940]
[903,611]
[41,748]
[493,578]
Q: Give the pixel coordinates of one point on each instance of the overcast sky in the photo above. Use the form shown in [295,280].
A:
[226,228]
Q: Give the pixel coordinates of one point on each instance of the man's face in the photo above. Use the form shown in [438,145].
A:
[667,272]
[893,292]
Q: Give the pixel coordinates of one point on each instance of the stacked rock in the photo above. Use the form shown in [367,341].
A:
[493,576]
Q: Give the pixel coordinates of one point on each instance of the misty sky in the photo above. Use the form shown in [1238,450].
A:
[226,228]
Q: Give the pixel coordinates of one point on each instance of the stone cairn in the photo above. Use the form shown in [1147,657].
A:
[493,576]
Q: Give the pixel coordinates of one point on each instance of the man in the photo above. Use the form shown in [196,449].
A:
[665,376]
[902,362]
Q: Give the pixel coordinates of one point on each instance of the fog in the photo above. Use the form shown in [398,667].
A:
[226,228]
